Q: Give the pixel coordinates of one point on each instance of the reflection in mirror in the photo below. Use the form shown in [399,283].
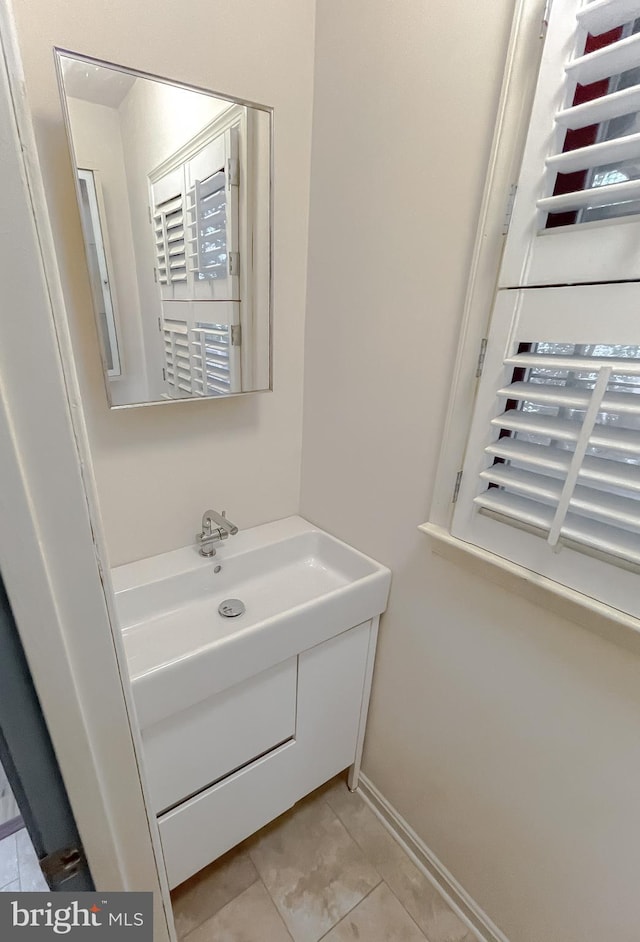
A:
[174,193]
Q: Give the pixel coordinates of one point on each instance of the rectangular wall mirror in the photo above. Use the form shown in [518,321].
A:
[174,191]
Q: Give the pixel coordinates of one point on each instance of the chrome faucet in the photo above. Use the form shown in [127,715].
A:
[215,528]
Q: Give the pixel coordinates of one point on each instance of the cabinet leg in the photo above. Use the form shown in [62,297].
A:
[354,770]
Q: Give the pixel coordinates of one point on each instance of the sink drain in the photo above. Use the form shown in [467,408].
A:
[231,608]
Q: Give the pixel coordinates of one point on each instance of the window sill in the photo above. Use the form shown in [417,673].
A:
[609,623]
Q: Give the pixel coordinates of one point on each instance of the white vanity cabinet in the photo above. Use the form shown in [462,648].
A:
[242,717]
[252,751]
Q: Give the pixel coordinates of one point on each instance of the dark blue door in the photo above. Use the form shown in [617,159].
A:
[30,765]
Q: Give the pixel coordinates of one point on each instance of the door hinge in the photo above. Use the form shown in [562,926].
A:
[481,357]
[160,324]
[155,275]
[62,864]
[545,18]
[456,487]
[164,374]
[236,335]
[149,212]
[232,172]
[234,263]
[513,189]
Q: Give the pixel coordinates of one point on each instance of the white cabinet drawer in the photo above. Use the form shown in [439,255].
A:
[200,830]
[188,751]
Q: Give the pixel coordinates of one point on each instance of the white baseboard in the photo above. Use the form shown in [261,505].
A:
[437,874]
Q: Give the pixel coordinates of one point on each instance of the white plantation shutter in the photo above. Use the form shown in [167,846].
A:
[580,176]
[553,460]
[551,474]
[551,477]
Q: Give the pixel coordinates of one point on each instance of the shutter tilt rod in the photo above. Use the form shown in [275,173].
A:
[582,444]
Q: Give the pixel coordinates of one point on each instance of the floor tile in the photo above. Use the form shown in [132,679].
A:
[378,918]
[313,869]
[31,878]
[8,860]
[8,806]
[203,895]
[11,887]
[417,894]
[250,917]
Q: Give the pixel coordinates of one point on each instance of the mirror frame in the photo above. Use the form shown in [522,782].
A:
[59,53]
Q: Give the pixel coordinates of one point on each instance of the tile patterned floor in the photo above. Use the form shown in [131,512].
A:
[19,868]
[8,805]
[328,870]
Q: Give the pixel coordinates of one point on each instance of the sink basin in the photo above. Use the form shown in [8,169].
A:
[299,585]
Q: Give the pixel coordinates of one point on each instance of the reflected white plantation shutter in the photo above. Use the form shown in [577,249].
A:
[551,478]
[195,225]
[212,182]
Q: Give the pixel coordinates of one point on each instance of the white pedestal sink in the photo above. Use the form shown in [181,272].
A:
[242,716]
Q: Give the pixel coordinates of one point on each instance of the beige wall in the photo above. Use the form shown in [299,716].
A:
[507,736]
[158,468]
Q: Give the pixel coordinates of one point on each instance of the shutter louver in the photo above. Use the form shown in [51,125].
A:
[600,16]
[611,60]
[602,145]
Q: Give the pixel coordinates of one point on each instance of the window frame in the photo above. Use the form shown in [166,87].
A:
[512,122]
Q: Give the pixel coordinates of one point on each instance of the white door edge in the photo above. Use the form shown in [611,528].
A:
[52,553]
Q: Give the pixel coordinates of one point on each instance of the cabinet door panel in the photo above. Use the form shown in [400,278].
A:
[189,750]
[330,685]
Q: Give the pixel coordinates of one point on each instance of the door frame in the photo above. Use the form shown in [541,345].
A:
[52,552]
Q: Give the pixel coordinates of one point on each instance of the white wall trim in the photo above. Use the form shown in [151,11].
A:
[234,115]
[444,882]
[610,623]
[512,118]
